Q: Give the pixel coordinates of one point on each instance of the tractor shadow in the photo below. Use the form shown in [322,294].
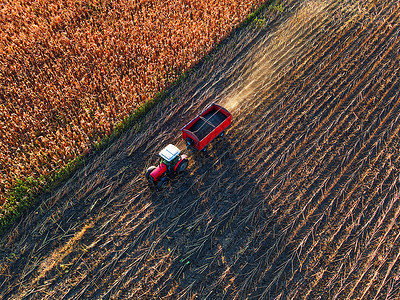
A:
[217,163]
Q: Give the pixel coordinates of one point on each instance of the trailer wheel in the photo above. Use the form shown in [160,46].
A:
[189,142]
[183,165]
[148,177]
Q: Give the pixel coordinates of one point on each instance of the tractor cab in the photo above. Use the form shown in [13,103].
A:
[170,157]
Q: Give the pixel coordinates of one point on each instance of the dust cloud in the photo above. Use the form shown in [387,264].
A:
[281,48]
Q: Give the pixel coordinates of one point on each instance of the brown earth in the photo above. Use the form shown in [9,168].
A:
[299,200]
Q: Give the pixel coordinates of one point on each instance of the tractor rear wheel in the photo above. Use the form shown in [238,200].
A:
[183,165]
[161,182]
[148,172]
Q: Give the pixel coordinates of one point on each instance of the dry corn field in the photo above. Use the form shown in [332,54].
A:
[71,70]
[300,199]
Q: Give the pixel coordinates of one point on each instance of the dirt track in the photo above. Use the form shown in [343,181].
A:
[299,200]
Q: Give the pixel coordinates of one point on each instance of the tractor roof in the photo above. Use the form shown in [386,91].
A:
[169,152]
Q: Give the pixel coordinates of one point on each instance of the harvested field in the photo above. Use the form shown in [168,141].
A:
[300,200]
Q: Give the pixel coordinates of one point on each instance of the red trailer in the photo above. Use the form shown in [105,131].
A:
[205,127]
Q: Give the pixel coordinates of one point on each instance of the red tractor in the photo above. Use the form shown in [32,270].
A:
[171,162]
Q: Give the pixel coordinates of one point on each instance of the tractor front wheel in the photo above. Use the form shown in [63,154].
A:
[148,172]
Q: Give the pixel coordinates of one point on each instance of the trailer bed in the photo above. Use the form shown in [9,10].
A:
[206,126]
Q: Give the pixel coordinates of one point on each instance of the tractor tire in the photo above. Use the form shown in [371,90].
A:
[183,165]
[148,177]
[161,182]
